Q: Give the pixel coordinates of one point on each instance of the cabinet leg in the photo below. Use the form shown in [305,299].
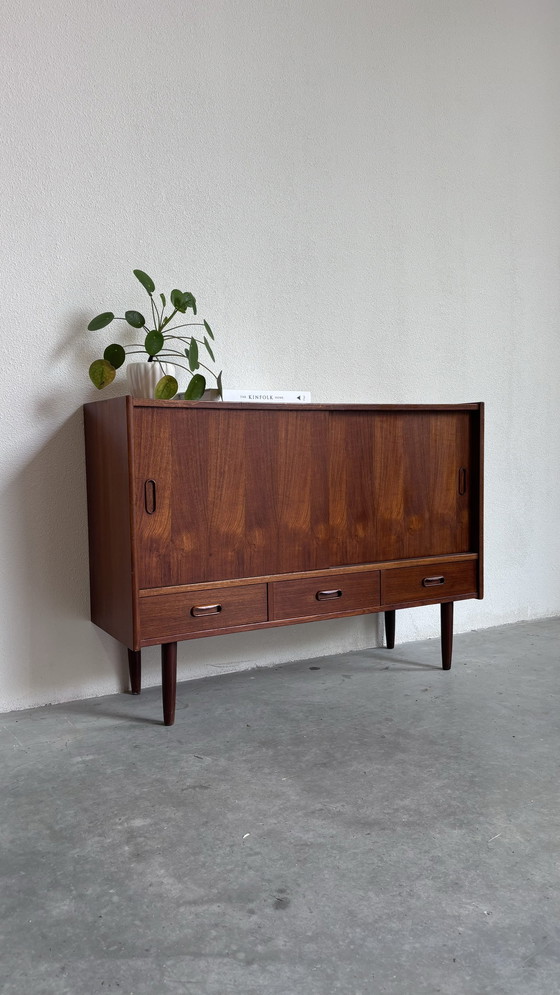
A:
[169,681]
[135,670]
[446,634]
[390,629]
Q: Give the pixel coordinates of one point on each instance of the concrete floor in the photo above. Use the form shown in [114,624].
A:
[358,824]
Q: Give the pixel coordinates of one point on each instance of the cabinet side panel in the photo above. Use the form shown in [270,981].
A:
[108,496]
[478,494]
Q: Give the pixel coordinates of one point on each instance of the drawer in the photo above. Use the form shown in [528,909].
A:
[327,595]
[427,583]
[166,615]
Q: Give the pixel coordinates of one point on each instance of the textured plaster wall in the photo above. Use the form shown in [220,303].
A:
[364,198]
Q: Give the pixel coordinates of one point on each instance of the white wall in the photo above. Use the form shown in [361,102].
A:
[364,198]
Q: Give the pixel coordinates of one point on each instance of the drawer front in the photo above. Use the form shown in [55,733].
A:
[198,611]
[326,595]
[439,580]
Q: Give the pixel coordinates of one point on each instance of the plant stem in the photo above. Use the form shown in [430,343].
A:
[167,320]
[201,365]
[155,315]
[187,325]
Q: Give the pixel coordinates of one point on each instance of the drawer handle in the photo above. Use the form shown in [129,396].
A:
[150,496]
[328,595]
[462,480]
[206,610]
[433,581]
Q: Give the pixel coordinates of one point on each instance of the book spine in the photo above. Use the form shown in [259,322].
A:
[270,396]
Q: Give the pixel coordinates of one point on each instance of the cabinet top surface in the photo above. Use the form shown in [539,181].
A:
[267,406]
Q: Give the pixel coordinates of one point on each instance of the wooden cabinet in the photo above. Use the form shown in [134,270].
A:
[213,518]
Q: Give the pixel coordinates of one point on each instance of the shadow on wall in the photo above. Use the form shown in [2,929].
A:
[48,499]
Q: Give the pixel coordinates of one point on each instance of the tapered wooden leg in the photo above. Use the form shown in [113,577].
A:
[390,629]
[135,670]
[169,681]
[446,634]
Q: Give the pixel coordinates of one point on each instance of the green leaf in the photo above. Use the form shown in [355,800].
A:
[187,353]
[163,301]
[101,373]
[100,321]
[166,388]
[145,280]
[153,343]
[193,355]
[219,385]
[208,329]
[207,344]
[115,355]
[196,388]
[181,301]
[135,319]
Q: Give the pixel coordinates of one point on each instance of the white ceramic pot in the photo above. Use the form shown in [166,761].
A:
[211,395]
[144,377]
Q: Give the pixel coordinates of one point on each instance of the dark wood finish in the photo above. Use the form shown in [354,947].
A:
[245,515]
[326,595]
[207,519]
[477,536]
[441,580]
[169,681]
[405,500]
[222,608]
[390,618]
[446,634]
[108,491]
[427,561]
[135,670]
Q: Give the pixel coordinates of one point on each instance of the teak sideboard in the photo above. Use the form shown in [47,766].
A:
[213,518]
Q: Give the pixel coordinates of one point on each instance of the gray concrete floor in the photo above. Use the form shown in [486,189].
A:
[357,824]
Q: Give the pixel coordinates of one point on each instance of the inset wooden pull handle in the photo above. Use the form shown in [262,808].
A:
[150,496]
[206,610]
[328,595]
[463,480]
[433,581]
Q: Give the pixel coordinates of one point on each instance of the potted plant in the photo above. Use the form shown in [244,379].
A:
[161,343]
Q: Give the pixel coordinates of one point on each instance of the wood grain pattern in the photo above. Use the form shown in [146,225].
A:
[207,519]
[394,485]
[326,595]
[238,494]
[262,406]
[408,584]
[112,593]
[427,561]
[177,613]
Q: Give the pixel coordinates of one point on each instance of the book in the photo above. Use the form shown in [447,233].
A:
[268,396]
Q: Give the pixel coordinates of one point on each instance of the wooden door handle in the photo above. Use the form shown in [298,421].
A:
[206,610]
[328,595]
[150,496]
[433,581]
[462,485]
